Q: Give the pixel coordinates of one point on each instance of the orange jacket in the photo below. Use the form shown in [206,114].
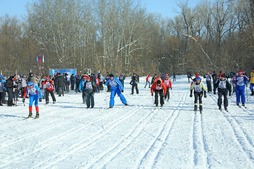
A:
[155,86]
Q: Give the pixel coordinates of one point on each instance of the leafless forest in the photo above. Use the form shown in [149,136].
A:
[121,36]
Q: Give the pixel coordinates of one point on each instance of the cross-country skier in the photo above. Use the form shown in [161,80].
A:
[224,88]
[115,87]
[35,95]
[199,90]
[252,82]
[168,83]
[48,85]
[89,89]
[241,80]
[159,88]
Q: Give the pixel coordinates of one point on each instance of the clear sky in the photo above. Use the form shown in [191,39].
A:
[167,8]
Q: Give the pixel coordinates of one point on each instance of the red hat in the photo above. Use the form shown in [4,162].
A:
[88,78]
[240,71]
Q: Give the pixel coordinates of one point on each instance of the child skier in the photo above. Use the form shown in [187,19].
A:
[168,83]
[159,88]
[199,90]
[34,95]
[224,87]
[89,89]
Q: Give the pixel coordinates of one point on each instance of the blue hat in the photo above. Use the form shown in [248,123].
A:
[198,78]
[30,84]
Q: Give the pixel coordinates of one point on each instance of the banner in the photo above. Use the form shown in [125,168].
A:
[52,72]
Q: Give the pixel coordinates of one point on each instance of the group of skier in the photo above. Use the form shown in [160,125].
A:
[160,86]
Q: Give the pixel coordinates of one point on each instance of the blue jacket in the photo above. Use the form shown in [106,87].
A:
[81,84]
[114,86]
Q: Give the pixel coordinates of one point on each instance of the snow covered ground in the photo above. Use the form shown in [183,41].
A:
[67,135]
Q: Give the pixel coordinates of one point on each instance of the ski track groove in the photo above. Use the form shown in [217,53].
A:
[44,144]
[178,109]
[241,136]
[38,132]
[163,133]
[76,147]
[117,149]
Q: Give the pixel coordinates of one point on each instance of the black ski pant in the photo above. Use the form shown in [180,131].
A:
[159,93]
[198,98]
[52,96]
[209,85]
[10,96]
[224,94]
[132,88]
[61,90]
[89,100]
[167,96]
[1,97]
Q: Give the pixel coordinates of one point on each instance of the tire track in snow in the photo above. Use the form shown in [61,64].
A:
[242,138]
[83,144]
[44,144]
[151,154]
[108,156]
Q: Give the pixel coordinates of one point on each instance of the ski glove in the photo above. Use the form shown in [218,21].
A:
[190,95]
[40,100]
[23,100]
[229,94]
[151,94]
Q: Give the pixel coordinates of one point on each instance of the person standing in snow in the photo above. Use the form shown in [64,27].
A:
[115,87]
[2,81]
[159,88]
[224,87]
[48,86]
[89,89]
[252,82]
[35,95]
[148,80]
[134,83]
[208,78]
[199,90]
[241,80]
[122,78]
[168,83]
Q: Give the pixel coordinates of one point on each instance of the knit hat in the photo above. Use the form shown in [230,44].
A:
[111,75]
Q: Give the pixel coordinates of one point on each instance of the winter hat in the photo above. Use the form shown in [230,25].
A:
[30,84]
[223,75]
[158,81]
[111,75]
[88,78]
[198,78]
[240,72]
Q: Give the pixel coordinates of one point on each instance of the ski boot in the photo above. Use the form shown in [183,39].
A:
[220,108]
[30,115]
[37,115]
[226,109]
[195,107]
[200,107]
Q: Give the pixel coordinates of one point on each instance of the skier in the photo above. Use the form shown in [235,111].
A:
[134,83]
[35,95]
[168,83]
[208,78]
[116,87]
[2,81]
[148,81]
[122,78]
[199,90]
[48,85]
[9,88]
[89,89]
[159,88]
[224,87]
[81,86]
[240,81]
[252,82]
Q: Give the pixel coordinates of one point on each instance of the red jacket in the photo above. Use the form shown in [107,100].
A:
[168,83]
[48,85]
[160,86]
